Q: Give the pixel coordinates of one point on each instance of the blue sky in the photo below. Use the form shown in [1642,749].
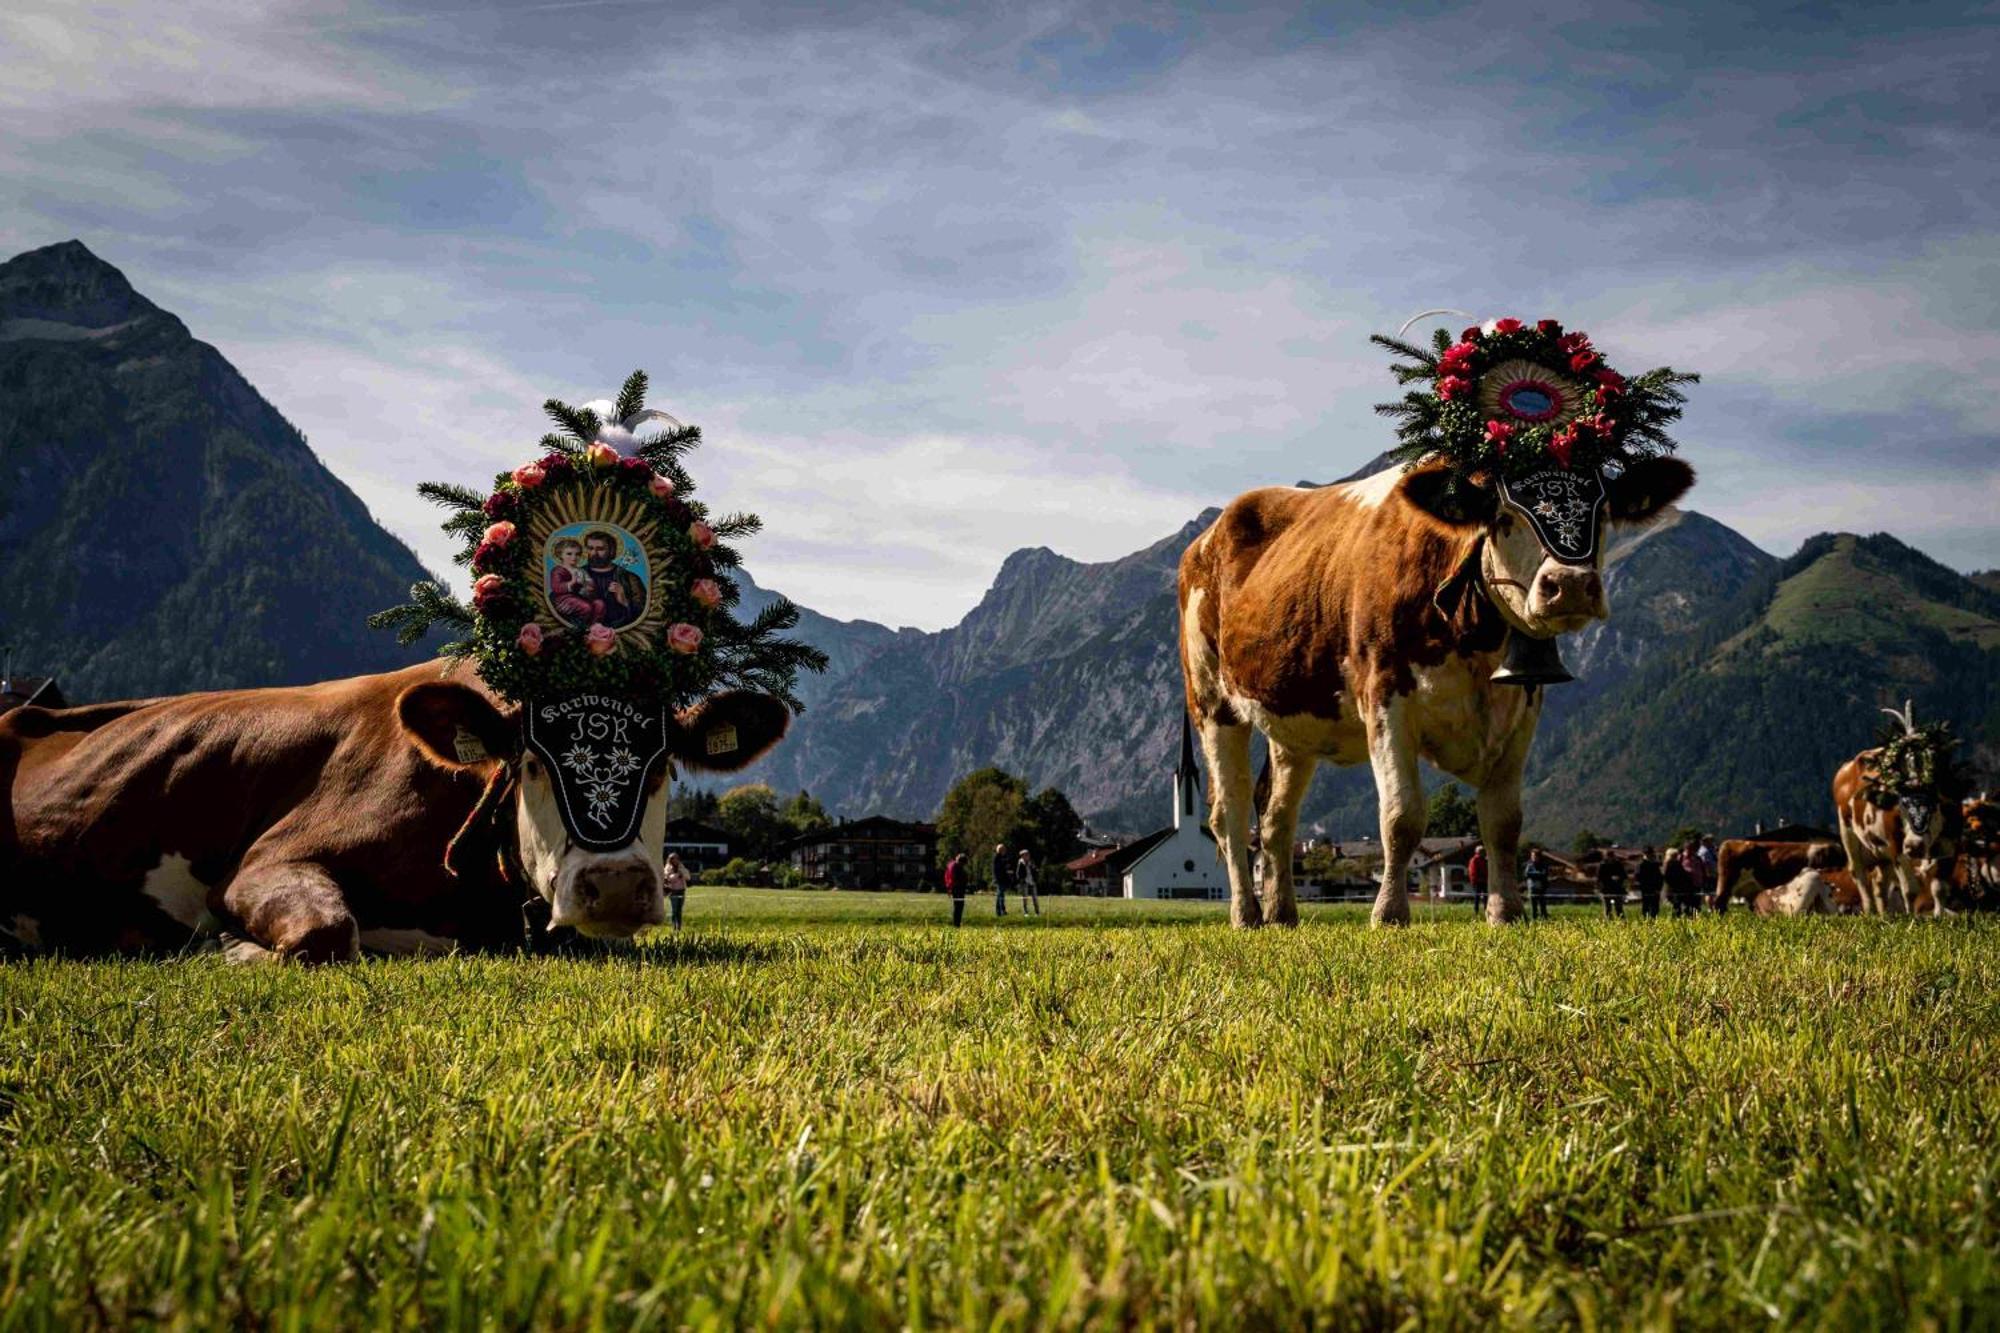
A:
[938,287]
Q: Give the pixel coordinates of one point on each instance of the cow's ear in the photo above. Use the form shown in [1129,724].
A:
[1452,499]
[455,725]
[1646,486]
[725,732]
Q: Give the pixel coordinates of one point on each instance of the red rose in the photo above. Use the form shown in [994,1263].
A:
[637,466]
[1610,378]
[1471,335]
[1457,357]
[484,556]
[1548,327]
[498,505]
[1498,433]
[488,589]
[1573,342]
[1604,426]
[1453,385]
[1583,360]
[1506,326]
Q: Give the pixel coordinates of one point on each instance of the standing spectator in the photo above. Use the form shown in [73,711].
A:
[1475,878]
[1649,879]
[1707,855]
[1024,883]
[999,880]
[1611,885]
[1537,875]
[674,879]
[1674,872]
[956,875]
[1697,879]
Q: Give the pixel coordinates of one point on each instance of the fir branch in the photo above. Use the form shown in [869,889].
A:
[448,495]
[668,446]
[580,422]
[561,444]
[734,526]
[429,604]
[632,397]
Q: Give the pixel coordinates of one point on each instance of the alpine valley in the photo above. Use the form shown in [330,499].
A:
[149,543]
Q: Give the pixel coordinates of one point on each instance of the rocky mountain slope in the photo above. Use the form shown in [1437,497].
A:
[162,527]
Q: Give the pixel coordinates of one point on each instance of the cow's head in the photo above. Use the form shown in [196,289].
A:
[1541,549]
[612,892]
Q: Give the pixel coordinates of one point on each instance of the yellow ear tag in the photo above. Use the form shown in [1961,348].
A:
[722,740]
[471,750]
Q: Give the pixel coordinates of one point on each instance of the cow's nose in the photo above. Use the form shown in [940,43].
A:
[1569,591]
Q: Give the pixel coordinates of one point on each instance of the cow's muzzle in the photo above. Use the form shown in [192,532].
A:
[610,897]
[1567,597]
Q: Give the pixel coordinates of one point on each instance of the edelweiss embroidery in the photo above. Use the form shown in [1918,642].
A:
[1563,507]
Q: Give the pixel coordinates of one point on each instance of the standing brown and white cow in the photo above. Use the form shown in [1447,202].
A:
[396,813]
[1894,844]
[1364,622]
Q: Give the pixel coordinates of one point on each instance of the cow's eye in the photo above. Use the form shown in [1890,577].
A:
[1506,525]
[532,768]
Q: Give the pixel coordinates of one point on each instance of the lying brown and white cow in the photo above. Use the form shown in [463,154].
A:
[1363,622]
[1769,864]
[1895,848]
[394,813]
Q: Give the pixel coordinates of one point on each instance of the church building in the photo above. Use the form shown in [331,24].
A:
[1178,861]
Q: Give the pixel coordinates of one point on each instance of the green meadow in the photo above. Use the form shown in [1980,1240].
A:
[832,1110]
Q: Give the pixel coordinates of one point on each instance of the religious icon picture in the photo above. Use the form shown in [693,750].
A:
[596,575]
[599,563]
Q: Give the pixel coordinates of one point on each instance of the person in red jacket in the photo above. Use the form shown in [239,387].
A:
[956,879]
[1475,878]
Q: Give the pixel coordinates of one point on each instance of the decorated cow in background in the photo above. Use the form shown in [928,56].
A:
[522,782]
[1900,808]
[1412,614]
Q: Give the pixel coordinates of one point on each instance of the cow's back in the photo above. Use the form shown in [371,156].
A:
[123,820]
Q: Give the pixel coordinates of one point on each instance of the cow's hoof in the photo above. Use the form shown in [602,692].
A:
[337,940]
[1286,915]
[1245,915]
[1397,915]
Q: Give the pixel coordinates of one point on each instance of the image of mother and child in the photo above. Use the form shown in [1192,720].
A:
[588,585]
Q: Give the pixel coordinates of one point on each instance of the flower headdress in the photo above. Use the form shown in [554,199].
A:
[1512,399]
[1915,760]
[594,570]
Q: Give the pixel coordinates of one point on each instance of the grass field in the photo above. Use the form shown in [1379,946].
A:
[828,1109]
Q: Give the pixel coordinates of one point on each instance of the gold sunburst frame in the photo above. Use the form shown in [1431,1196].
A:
[585,503]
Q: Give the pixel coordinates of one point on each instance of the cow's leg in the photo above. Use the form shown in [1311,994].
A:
[294,909]
[1900,886]
[1500,828]
[1858,864]
[1291,776]
[1227,749]
[1399,794]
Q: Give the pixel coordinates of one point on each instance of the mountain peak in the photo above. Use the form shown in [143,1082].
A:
[67,284]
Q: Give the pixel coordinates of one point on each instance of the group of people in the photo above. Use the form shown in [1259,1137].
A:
[1019,874]
[1682,877]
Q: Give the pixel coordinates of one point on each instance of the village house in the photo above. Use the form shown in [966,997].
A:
[871,853]
[701,846]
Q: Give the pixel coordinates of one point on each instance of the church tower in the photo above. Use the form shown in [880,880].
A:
[1187,779]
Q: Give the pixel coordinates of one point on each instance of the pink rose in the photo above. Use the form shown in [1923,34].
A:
[1506,326]
[706,591]
[529,475]
[1457,357]
[1451,386]
[499,534]
[661,488]
[602,455]
[530,639]
[487,589]
[701,534]
[684,638]
[600,639]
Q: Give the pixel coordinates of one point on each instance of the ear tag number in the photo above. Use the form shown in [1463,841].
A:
[471,750]
[722,740]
